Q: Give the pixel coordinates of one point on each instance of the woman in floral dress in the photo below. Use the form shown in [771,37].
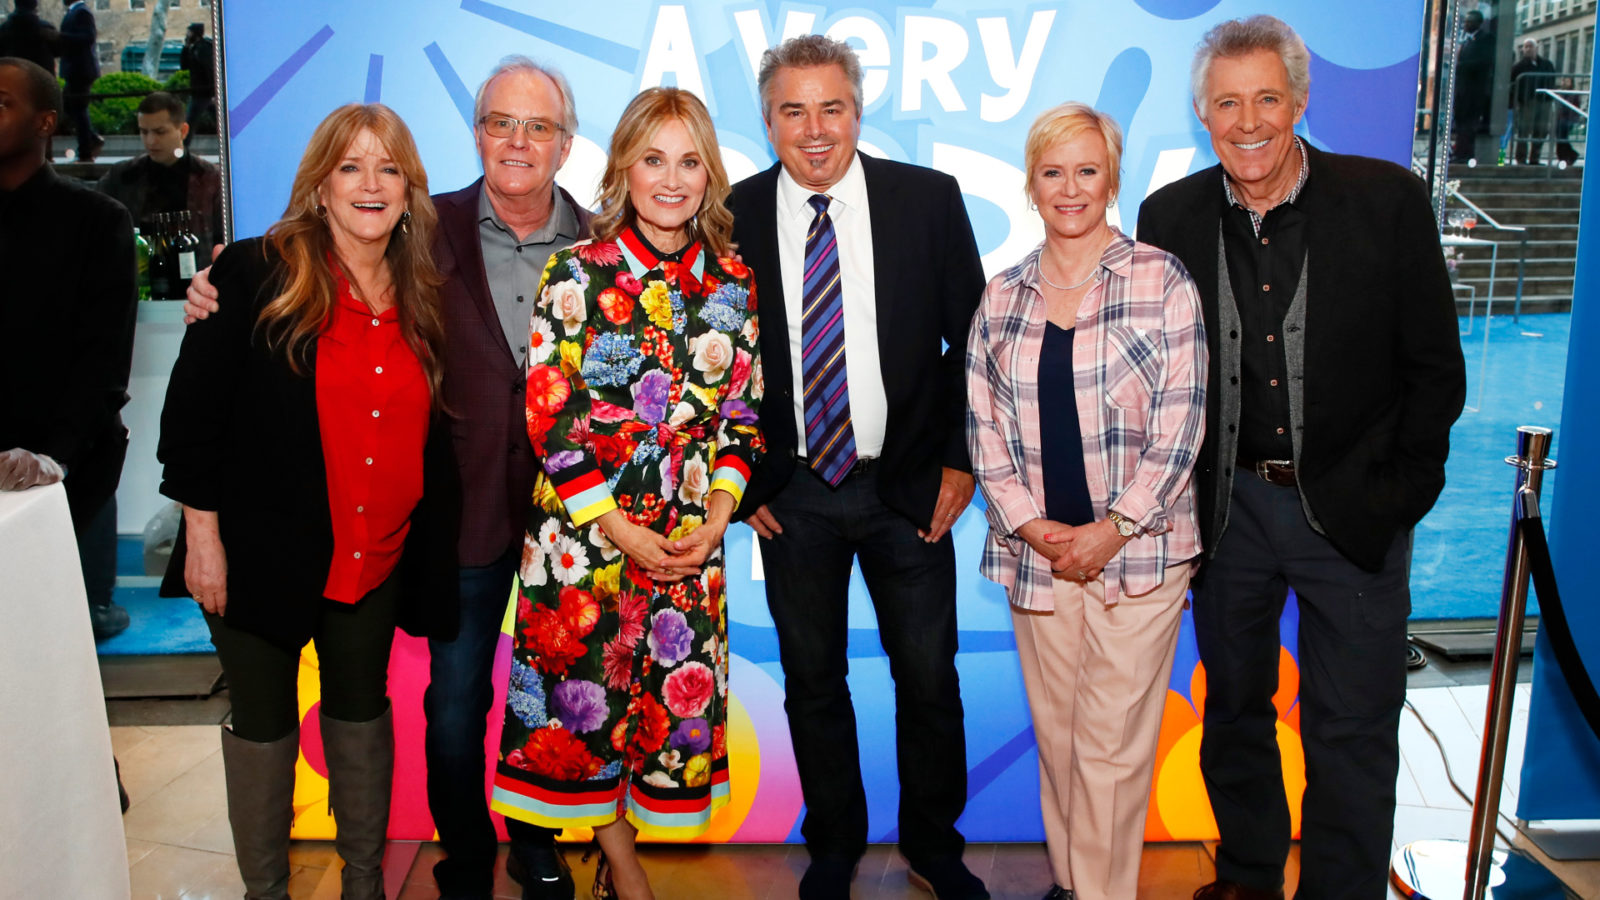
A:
[643,385]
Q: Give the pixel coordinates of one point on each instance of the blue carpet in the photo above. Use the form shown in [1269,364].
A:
[160,625]
[1458,558]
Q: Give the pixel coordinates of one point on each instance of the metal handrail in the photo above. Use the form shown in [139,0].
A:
[1522,244]
[1490,220]
[1556,93]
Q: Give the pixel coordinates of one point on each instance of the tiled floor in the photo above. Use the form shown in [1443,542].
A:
[179,845]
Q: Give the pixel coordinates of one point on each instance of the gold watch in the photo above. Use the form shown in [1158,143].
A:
[1125,526]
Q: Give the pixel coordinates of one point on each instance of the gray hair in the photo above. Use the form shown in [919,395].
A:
[1241,37]
[519,63]
[805,52]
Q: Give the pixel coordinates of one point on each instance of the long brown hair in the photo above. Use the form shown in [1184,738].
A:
[645,115]
[302,238]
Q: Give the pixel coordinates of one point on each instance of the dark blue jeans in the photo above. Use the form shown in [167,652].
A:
[457,703]
[913,589]
[1352,686]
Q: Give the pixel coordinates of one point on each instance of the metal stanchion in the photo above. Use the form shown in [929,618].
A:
[1473,869]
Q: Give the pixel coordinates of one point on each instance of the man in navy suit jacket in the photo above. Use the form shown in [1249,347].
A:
[80,66]
[909,281]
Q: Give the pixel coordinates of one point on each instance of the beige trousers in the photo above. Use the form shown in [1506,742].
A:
[1097,685]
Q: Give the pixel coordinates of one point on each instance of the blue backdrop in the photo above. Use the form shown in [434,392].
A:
[953,85]
[1561,762]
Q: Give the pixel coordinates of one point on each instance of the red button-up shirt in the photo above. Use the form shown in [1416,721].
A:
[372,406]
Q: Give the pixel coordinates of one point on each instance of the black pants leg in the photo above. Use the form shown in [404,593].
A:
[97,552]
[912,587]
[1352,686]
[353,643]
[77,108]
[457,704]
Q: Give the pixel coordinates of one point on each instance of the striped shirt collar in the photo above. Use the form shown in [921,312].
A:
[1294,193]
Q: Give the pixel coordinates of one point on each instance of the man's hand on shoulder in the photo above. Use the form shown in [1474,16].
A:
[22,469]
[201,301]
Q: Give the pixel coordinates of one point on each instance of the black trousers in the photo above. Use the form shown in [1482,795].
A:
[912,585]
[77,109]
[1352,685]
[353,642]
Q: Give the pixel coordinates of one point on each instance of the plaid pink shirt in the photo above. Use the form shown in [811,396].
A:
[1139,375]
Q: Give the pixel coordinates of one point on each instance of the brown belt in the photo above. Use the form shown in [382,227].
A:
[1273,471]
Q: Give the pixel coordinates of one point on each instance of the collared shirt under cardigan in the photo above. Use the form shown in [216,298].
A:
[1139,362]
[1265,253]
[514,266]
[852,223]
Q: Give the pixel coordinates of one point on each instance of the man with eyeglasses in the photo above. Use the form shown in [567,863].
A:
[493,241]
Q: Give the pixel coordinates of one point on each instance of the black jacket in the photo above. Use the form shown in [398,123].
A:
[928,280]
[24,35]
[1384,377]
[67,307]
[79,64]
[239,435]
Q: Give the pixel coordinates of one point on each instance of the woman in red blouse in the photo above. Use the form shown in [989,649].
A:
[300,435]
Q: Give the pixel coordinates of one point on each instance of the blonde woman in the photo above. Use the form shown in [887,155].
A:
[643,389]
[302,438]
[1086,371]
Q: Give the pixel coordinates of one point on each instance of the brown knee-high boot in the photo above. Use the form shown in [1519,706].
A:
[260,779]
[360,758]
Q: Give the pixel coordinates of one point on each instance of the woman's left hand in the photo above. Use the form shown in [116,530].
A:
[1089,548]
[692,549]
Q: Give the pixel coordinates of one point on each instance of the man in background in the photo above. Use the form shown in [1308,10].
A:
[1474,75]
[166,178]
[24,35]
[79,68]
[66,331]
[199,60]
[1530,109]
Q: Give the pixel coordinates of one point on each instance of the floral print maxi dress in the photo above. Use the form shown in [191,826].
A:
[643,385]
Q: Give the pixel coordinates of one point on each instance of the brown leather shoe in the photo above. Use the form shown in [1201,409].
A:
[1232,890]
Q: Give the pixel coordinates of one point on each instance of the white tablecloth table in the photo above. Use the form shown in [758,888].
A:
[60,825]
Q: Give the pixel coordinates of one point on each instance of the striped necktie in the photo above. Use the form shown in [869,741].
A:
[830,441]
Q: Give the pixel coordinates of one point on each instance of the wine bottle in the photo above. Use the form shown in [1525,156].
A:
[187,243]
[160,260]
[141,253]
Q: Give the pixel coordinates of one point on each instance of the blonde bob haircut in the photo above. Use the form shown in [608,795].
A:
[303,239]
[712,223]
[1060,124]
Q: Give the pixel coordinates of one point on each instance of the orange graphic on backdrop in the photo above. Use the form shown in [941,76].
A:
[1179,809]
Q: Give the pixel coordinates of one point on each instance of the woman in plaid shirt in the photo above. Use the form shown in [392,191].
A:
[1091,509]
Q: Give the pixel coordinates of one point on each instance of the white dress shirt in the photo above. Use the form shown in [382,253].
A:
[852,224]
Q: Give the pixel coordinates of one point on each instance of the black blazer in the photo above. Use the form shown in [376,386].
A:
[928,280]
[67,311]
[484,386]
[239,435]
[1384,377]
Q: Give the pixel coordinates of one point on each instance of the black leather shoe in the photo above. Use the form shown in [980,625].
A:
[828,878]
[947,879]
[108,621]
[1057,892]
[542,871]
[1232,890]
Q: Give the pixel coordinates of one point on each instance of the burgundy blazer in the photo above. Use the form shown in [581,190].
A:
[484,387]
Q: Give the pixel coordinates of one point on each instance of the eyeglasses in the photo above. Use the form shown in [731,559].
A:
[505,126]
